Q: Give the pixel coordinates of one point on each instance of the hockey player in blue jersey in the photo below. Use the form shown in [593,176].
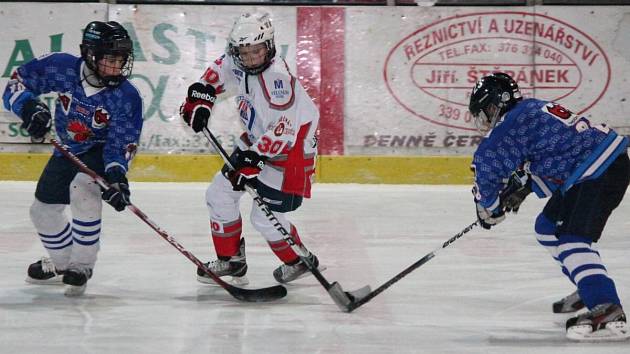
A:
[98,116]
[536,145]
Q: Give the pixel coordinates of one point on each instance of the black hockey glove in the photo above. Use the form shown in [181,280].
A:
[197,109]
[118,194]
[247,166]
[36,119]
[489,218]
[518,187]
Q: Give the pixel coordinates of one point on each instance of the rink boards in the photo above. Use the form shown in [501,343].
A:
[330,169]
[391,83]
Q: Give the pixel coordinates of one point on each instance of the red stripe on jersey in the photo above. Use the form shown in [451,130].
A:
[298,169]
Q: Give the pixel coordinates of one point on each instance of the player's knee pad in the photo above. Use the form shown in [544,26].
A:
[544,226]
[268,228]
[48,218]
[222,201]
[85,198]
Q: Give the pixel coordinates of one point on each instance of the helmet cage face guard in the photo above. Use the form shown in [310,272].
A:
[234,52]
[93,55]
[107,39]
[485,121]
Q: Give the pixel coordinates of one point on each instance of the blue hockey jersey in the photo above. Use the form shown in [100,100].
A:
[557,147]
[84,115]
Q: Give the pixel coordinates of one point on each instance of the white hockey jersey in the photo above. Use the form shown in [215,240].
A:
[279,118]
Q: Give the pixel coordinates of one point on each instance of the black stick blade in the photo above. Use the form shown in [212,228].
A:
[271,293]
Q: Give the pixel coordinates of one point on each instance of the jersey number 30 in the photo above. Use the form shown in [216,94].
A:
[267,145]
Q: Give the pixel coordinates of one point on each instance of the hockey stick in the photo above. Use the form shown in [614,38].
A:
[343,299]
[250,295]
[409,269]
[505,193]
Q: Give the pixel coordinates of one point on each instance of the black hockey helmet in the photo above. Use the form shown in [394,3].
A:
[111,39]
[491,98]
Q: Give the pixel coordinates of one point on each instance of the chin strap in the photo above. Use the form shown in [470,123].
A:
[88,75]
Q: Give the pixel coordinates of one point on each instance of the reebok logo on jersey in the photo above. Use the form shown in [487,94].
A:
[203,96]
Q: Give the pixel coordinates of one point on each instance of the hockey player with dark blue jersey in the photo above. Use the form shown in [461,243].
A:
[98,116]
[536,145]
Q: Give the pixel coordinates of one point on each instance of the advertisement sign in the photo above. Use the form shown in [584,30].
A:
[417,80]
[30,30]
[173,45]
[402,75]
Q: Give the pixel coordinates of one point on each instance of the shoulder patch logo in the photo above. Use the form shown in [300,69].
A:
[130,151]
[100,118]
[65,100]
[246,112]
[211,76]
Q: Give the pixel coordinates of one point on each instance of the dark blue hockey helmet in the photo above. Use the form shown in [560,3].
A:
[107,40]
[491,98]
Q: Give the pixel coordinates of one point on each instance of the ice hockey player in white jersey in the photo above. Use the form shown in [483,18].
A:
[98,117]
[540,146]
[276,153]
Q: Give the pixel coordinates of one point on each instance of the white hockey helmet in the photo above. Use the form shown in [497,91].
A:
[251,29]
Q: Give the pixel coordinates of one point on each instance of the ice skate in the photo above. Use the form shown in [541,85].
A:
[570,303]
[605,322]
[290,272]
[76,278]
[233,268]
[43,272]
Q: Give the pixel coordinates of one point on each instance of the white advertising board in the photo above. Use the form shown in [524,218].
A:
[30,30]
[408,70]
[410,94]
[173,45]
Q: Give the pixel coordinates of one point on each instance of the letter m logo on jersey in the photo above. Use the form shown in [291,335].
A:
[277,84]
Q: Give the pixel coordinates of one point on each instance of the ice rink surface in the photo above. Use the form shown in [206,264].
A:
[489,292]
